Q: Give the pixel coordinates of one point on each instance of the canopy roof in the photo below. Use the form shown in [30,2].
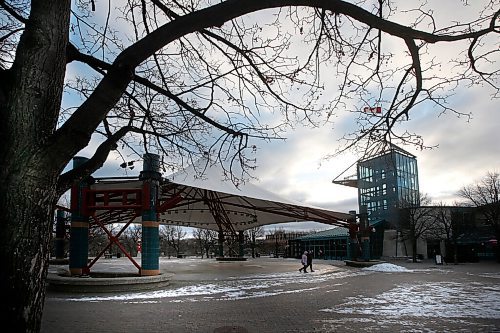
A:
[334,233]
[208,201]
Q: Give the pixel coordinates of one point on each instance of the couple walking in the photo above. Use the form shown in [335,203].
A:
[306,261]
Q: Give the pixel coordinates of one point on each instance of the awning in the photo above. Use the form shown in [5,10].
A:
[208,201]
[209,197]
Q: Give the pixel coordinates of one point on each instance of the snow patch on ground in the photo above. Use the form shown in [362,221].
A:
[262,285]
[494,275]
[385,267]
[439,300]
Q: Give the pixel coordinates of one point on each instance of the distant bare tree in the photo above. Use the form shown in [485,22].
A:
[206,240]
[252,234]
[131,238]
[98,239]
[416,221]
[171,237]
[445,227]
[279,240]
[485,196]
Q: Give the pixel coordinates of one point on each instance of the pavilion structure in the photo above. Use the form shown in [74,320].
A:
[187,198]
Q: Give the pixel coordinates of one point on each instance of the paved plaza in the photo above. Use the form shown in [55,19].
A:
[270,295]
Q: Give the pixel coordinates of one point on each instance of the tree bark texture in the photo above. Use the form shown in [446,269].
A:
[28,173]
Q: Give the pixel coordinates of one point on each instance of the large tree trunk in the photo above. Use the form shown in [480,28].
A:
[29,110]
[26,215]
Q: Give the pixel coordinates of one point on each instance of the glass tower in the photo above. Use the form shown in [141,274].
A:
[386,182]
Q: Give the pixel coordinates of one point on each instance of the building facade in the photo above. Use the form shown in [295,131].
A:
[386,182]
[331,244]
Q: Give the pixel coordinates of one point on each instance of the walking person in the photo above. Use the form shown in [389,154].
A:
[309,260]
[304,262]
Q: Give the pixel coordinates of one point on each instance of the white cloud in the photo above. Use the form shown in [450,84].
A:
[467,150]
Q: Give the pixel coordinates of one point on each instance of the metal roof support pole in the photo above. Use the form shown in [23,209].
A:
[227,233]
[353,245]
[232,241]
[365,232]
[79,232]
[220,243]
[241,243]
[112,240]
[150,258]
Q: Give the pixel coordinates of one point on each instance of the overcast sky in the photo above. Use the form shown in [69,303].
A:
[296,168]
[466,150]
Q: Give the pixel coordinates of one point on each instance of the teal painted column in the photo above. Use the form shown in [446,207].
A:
[79,232]
[60,238]
[150,176]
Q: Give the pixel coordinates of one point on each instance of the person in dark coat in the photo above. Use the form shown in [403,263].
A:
[310,261]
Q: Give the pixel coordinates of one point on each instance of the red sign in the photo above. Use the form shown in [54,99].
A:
[377,109]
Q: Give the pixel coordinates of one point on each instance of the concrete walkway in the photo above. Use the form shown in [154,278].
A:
[270,295]
[172,271]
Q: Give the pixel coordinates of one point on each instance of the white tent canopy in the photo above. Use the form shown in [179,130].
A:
[200,197]
[209,197]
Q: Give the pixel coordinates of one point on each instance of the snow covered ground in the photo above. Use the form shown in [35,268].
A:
[386,267]
[442,306]
[473,300]
[426,299]
[251,286]
[429,299]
